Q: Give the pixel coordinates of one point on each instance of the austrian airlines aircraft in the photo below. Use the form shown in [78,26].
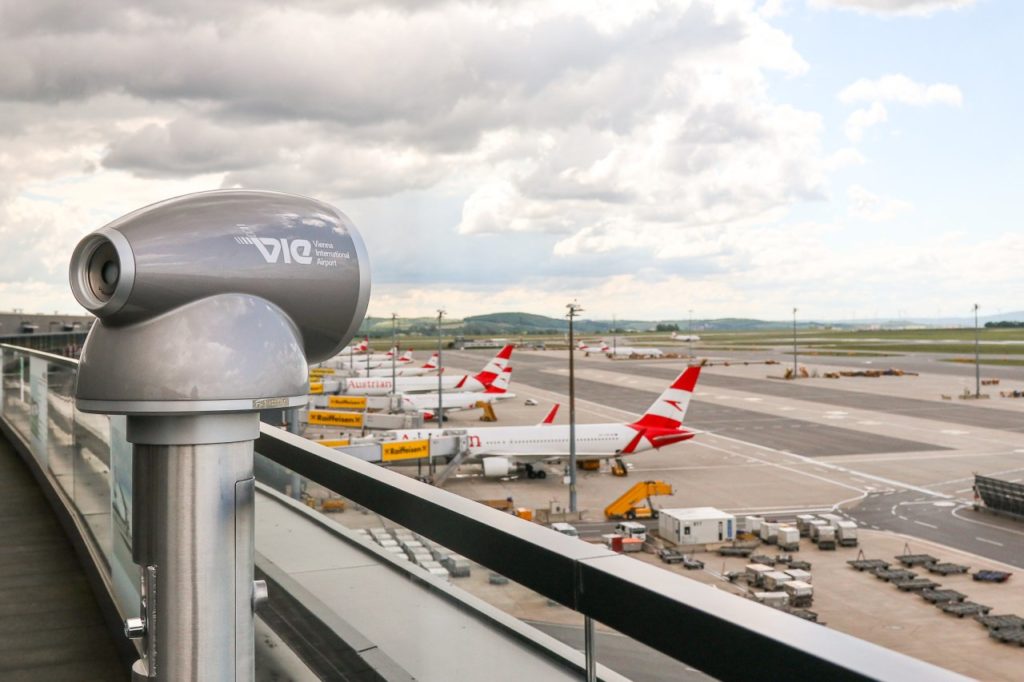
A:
[426,403]
[382,385]
[384,370]
[502,450]
[676,336]
[621,351]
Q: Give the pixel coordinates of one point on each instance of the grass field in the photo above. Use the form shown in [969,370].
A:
[1002,362]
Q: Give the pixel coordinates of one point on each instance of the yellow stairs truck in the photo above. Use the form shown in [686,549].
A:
[627,505]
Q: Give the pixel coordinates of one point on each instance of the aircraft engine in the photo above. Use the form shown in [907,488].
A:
[496,467]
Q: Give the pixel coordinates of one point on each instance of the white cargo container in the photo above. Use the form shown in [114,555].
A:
[774,599]
[770,532]
[773,580]
[632,529]
[752,524]
[826,537]
[755,574]
[800,593]
[803,524]
[798,574]
[833,519]
[815,527]
[696,526]
[788,538]
[846,533]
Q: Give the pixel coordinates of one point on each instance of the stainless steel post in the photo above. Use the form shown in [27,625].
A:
[589,652]
[192,536]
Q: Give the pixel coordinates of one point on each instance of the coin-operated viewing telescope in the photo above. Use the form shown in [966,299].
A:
[211,307]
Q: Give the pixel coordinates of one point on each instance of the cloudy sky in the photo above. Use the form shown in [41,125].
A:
[853,158]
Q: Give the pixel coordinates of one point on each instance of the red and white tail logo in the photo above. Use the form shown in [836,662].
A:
[431,363]
[550,419]
[364,344]
[500,385]
[406,356]
[669,410]
[496,366]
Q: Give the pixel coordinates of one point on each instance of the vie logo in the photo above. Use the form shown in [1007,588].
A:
[275,249]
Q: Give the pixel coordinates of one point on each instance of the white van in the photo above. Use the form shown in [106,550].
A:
[632,529]
[565,529]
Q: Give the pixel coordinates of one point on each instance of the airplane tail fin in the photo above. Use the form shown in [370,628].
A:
[550,419]
[500,384]
[431,363]
[406,356]
[495,367]
[364,344]
[669,410]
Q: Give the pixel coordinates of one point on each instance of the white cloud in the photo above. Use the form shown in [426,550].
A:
[862,119]
[921,8]
[900,88]
[495,154]
[867,206]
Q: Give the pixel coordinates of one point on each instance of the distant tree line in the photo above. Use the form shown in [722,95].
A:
[667,328]
[1006,324]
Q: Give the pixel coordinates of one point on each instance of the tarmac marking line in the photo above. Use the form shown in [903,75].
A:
[982,523]
[790,469]
[927,525]
[991,542]
[904,518]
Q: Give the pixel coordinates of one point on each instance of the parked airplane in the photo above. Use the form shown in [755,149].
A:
[503,450]
[374,361]
[426,403]
[676,336]
[382,385]
[401,370]
[621,351]
[358,348]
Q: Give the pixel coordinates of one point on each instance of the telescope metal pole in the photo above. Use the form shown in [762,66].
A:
[192,536]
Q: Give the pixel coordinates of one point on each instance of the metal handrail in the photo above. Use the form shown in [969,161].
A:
[719,633]
[49,357]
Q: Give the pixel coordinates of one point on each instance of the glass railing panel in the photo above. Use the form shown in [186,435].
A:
[17,394]
[58,439]
[494,597]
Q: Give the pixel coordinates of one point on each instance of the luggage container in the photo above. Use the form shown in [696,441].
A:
[799,575]
[832,519]
[755,574]
[803,524]
[789,538]
[752,524]
[770,532]
[773,580]
[439,572]
[826,537]
[776,600]
[800,594]
[846,533]
[458,566]
[815,526]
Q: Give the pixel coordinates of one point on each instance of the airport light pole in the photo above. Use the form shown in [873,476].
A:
[574,310]
[689,333]
[440,374]
[794,344]
[615,339]
[977,357]
[394,346]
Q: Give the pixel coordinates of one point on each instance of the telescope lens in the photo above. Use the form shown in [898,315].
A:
[104,271]
[111,270]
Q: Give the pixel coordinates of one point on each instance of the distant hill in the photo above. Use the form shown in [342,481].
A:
[513,323]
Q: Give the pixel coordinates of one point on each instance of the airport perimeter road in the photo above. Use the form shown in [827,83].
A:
[952,413]
[944,521]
